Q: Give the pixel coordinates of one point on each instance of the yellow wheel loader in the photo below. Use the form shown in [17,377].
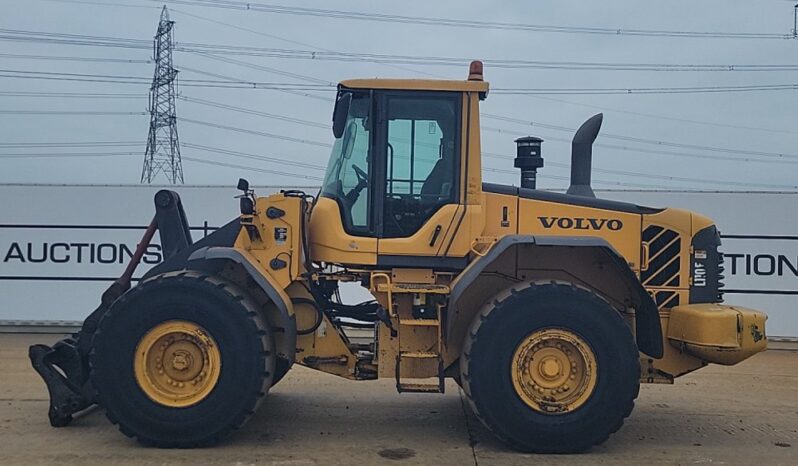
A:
[548,309]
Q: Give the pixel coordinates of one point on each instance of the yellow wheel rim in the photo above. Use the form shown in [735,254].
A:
[554,371]
[177,363]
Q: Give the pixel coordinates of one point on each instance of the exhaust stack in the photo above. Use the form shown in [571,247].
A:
[582,156]
[528,158]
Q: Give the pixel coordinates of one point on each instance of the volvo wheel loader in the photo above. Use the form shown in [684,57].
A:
[548,309]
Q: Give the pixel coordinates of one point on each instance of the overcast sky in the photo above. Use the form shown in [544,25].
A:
[747,121]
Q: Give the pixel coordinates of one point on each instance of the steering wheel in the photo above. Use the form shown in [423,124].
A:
[362,176]
[362,181]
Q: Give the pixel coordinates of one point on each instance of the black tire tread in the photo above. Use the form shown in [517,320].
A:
[260,331]
[489,311]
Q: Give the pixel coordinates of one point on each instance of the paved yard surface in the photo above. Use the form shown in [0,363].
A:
[744,415]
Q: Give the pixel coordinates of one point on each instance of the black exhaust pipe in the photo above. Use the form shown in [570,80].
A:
[582,156]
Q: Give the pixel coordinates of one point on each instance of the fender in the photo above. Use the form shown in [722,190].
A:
[647,324]
[284,318]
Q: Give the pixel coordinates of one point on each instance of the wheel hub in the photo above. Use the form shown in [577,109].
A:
[554,371]
[177,363]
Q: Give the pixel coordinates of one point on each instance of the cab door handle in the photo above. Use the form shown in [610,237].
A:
[435,236]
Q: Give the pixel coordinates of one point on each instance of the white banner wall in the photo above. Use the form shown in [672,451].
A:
[60,246]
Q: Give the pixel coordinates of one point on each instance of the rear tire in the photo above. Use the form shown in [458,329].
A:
[235,336]
[580,325]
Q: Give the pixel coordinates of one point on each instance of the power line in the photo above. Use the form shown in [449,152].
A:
[488,169]
[641,140]
[256,133]
[507,118]
[88,2]
[643,150]
[122,79]
[69,112]
[265,68]
[269,70]
[302,141]
[72,58]
[493,63]
[489,154]
[666,117]
[250,168]
[449,22]
[249,111]
[72,95]
[271,36]
[474,24]
[488,128]
[282,161]
[6,145]
[29,74]
[635,139]
[645,90]
[72,39]
[304,44]
[500,156]
[326,54]
[279,38]
[66,155]
[659,177]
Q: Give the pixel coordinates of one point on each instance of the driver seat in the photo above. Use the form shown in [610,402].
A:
[439,182]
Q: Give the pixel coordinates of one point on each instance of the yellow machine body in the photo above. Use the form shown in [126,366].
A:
[645,239]
[566,300]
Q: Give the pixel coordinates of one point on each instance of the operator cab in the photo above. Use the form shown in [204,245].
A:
[396,174]
[398,152]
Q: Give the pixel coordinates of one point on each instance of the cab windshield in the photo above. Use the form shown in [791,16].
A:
[346,179]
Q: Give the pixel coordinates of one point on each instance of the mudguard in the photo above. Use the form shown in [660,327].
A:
[647,324]
[285,321]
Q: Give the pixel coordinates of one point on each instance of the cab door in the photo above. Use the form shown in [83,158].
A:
[419,134]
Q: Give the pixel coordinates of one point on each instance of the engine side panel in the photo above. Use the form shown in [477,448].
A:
[620,229]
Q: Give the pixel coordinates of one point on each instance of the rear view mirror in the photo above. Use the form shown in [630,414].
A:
[340,112]
[348,142]
[243,185]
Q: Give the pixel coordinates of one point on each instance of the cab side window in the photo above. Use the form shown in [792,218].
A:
[422,160]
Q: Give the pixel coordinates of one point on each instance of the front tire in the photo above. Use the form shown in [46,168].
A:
[550,367]
[181,360]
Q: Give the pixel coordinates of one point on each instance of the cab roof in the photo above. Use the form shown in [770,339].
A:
[417,84]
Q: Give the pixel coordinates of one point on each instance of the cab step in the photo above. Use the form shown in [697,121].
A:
[423,288]
[420,322]
[417,387]
[407,387]
[420,355]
